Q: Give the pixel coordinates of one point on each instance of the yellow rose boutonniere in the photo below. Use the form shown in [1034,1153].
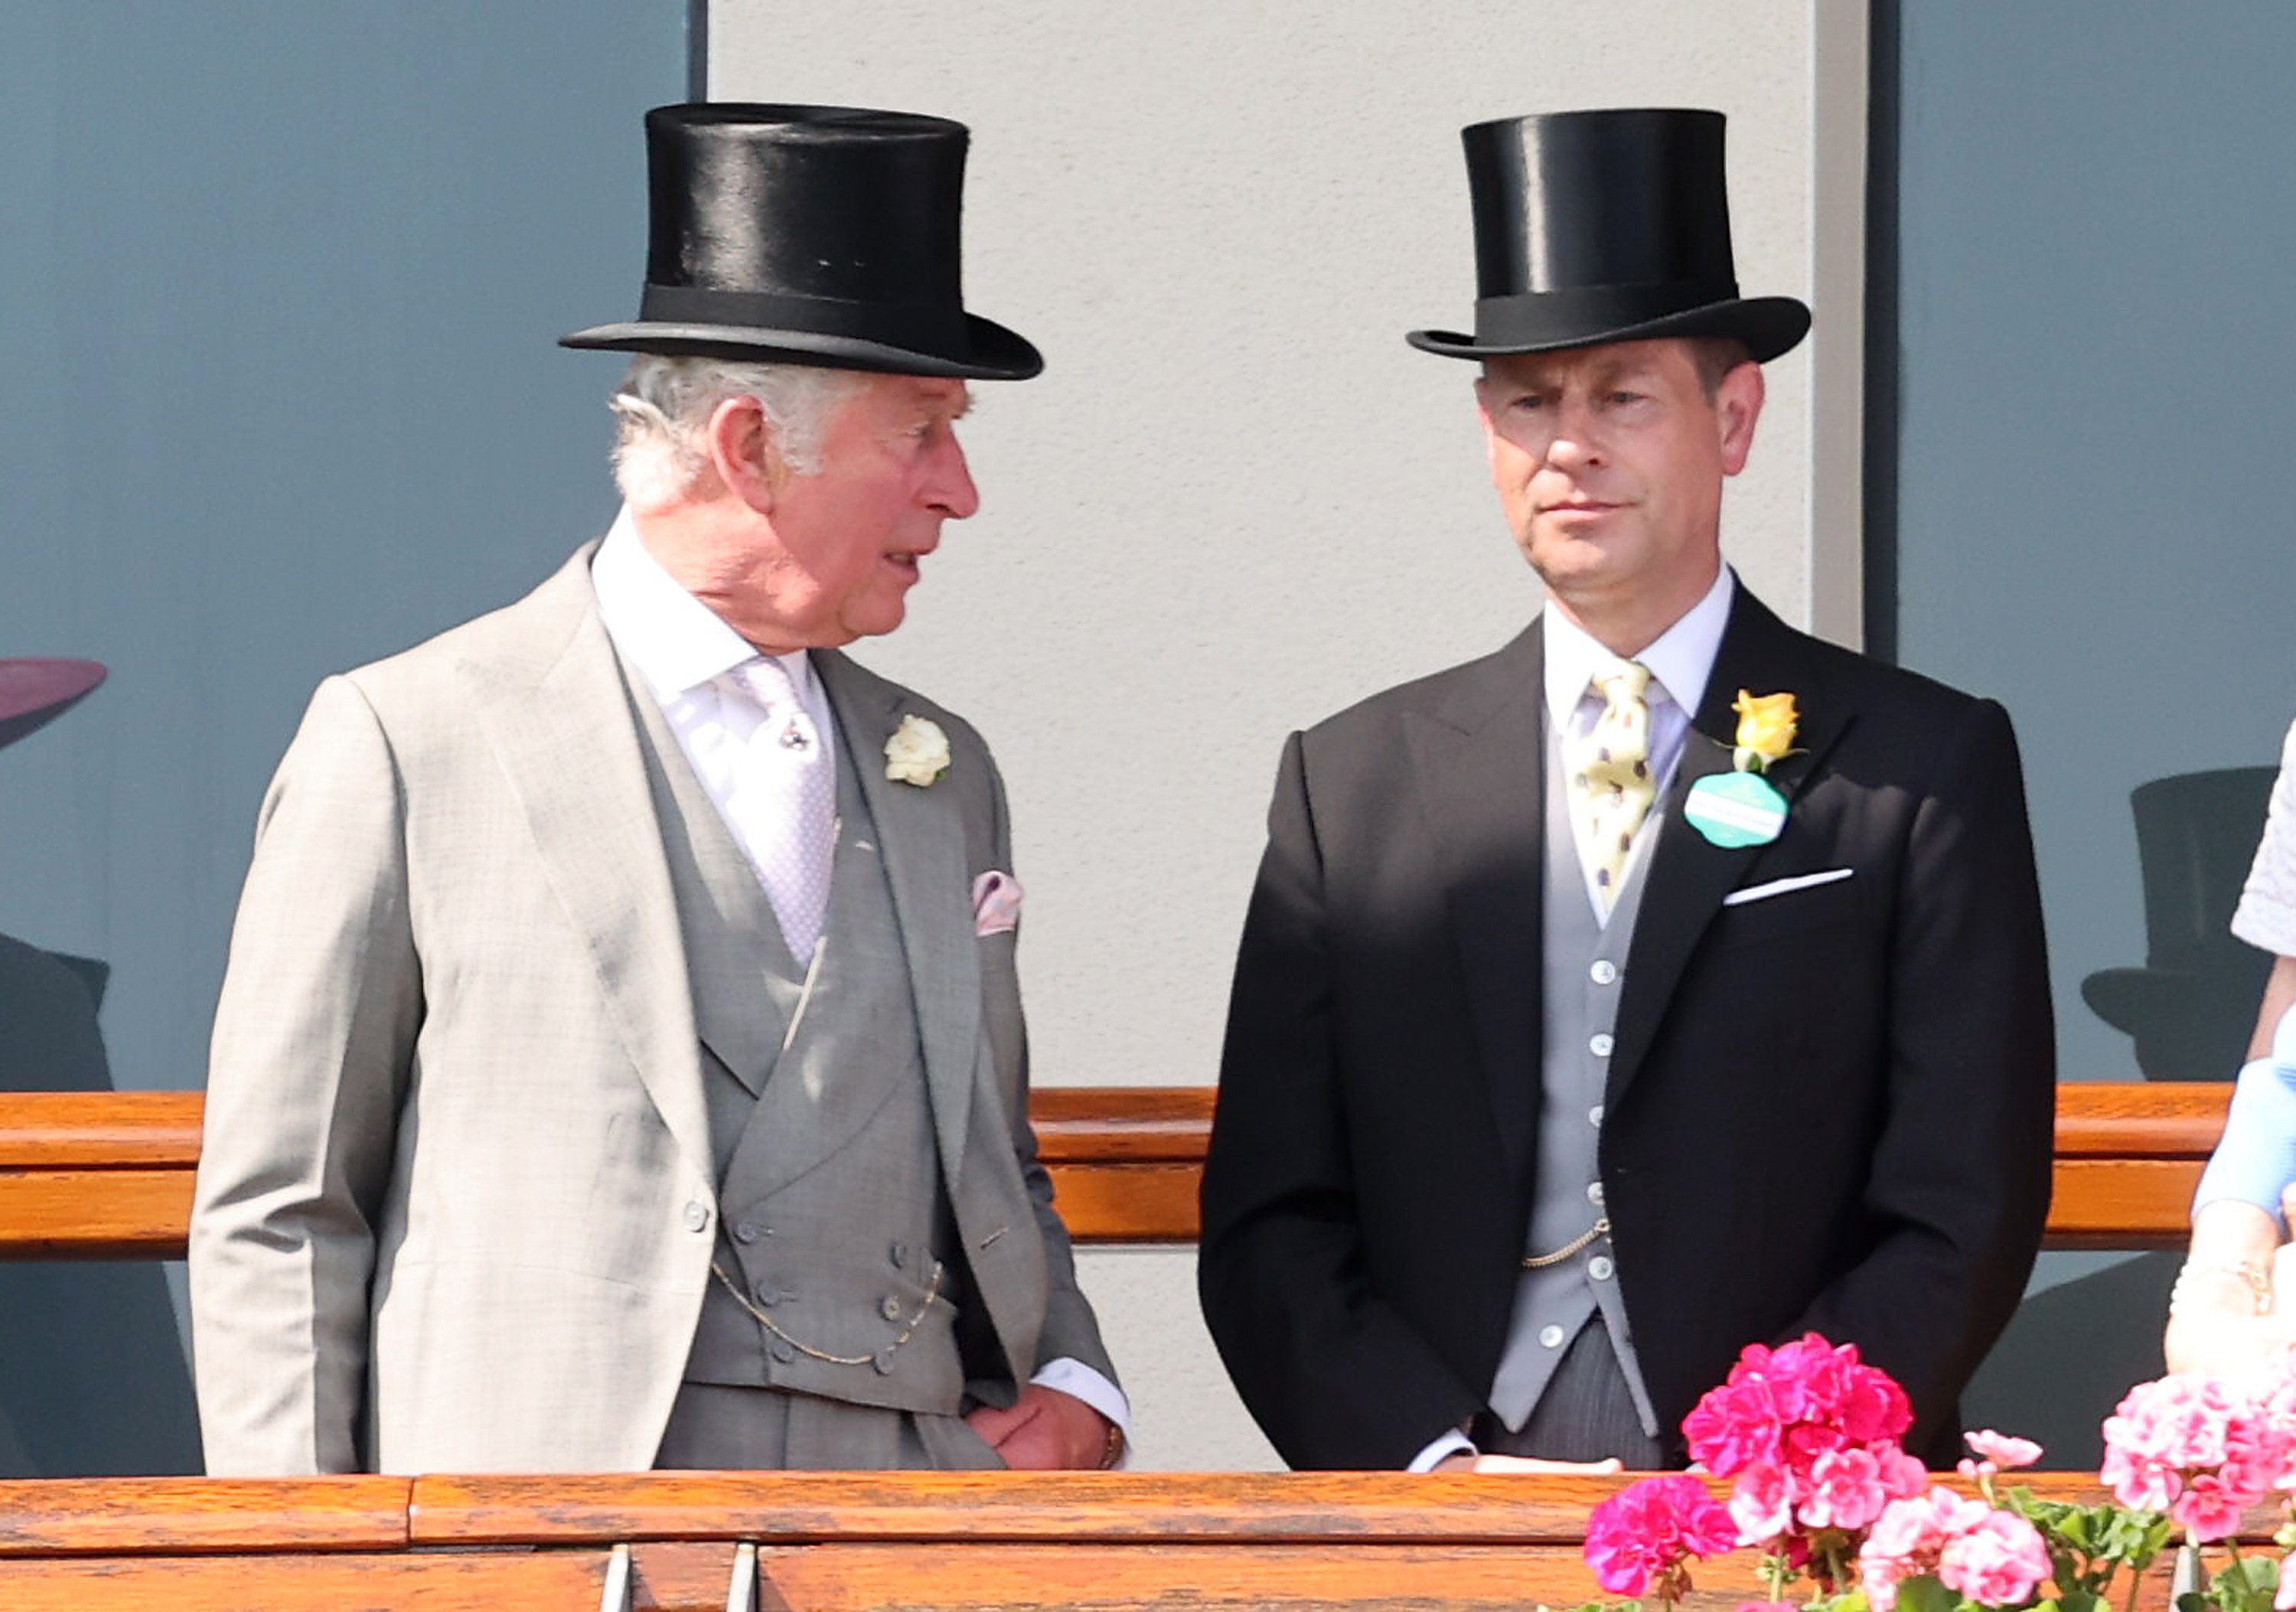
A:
[917,754]
[1766,730]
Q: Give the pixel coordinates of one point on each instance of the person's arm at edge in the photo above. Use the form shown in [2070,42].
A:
[2214,1321]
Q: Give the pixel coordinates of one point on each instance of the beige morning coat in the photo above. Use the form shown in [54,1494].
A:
[454,1208]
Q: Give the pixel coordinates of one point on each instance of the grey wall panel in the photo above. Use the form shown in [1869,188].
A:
[2094,480]
[279,286]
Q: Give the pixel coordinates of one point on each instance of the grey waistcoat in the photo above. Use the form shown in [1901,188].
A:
[832,1214]
[1584,969]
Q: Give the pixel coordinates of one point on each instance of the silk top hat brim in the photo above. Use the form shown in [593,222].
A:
[36,692]
[824,236]
[1598,226]
[1535,323]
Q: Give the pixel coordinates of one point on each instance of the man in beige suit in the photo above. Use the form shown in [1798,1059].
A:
[620,1059]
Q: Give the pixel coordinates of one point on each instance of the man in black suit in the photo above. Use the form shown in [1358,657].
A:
[1583,1031]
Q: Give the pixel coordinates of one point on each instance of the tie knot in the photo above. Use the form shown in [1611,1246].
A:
[1622,683]
[767,681]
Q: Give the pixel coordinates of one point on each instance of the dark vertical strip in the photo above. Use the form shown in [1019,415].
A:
[697,50]
[1884,349]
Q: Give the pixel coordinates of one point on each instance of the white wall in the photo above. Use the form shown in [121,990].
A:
[1235,501]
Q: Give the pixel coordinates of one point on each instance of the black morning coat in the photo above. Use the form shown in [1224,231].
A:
[1826,1110]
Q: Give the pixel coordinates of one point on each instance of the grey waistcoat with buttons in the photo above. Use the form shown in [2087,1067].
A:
[831,1212]
[1585,967]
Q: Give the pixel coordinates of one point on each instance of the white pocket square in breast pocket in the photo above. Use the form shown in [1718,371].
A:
[996,903]
[1801,881]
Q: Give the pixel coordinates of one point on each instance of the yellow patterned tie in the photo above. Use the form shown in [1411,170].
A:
[1610,783]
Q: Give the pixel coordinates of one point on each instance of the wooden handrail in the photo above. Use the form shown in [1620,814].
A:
[97,1175]
[831,1541]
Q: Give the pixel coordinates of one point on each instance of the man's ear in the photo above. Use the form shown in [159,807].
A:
[742,452]
[1737,406]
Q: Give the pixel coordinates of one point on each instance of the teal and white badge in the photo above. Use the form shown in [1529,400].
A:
[1741,808]
[1735,809]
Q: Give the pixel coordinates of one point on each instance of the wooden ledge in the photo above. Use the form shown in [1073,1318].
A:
[105,1175]
[168,1516]
[857,1542]
[987,1508]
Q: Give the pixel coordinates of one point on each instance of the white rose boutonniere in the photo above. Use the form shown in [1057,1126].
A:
[917,753]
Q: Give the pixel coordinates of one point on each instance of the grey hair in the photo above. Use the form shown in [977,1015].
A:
[664,404]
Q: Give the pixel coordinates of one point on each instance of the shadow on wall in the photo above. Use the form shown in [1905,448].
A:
[2192,1007]
[2069,1356]
[92,1381]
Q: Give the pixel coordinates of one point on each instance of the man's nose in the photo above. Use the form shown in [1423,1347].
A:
[950,487]
[1575,442]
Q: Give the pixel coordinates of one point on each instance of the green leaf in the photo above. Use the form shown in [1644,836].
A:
[1923,1593]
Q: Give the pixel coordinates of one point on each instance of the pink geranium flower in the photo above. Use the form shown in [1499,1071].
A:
[2005,1453]
[1996,1561]
[1845,1489]
[1649,1531]
[2202,1449]
[1910,1537]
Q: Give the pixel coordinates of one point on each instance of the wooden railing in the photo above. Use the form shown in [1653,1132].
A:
[109,1174]
[822,1542]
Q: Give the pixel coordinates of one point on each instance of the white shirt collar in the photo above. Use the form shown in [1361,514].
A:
[1680,660]
[678,643]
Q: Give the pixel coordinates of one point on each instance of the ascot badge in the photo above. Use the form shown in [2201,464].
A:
[1741,807]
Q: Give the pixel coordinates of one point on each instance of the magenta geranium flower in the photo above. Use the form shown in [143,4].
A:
[1649,1533]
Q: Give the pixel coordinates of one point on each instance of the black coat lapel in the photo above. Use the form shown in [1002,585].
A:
[1481,761]
[1689,875]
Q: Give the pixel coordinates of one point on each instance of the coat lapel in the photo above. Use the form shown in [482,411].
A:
[1689,875]
[1480,758]
[561,724]
[921,834]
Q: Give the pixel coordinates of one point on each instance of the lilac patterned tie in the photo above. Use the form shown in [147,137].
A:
[784,801]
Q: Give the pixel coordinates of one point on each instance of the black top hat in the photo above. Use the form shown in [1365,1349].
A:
[36,692]
[1605,227]
[809,234]
[2192,1007]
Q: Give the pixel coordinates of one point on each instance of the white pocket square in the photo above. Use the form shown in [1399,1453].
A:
[1801,881]
[996,903]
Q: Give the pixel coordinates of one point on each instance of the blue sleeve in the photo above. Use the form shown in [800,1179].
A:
[2257,1155]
